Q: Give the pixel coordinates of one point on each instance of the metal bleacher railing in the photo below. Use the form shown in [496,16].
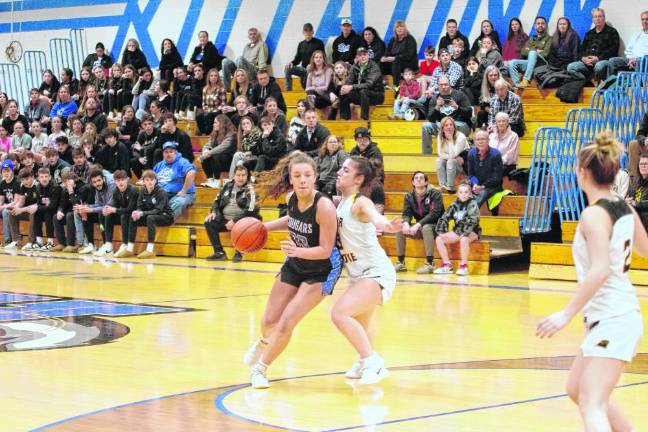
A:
[34,64]
[552,177]
[11,82]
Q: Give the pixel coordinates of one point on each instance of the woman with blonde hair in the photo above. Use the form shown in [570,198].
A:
[217,153]
[451,144]
[213,101]
[318,80]
[401,52]
[491,75]
[329,160]
[133,55]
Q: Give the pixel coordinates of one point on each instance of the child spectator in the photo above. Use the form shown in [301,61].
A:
[340,75]
[5,142]
[457,55]
[298,122]
[408,91]
[464,211]
[272,111]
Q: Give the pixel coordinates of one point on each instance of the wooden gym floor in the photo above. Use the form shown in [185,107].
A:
[100,345]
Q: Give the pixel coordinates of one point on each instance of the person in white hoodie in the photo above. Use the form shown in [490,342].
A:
[636,48]
[451,144]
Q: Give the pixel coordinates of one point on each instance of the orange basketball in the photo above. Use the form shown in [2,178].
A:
[249,235]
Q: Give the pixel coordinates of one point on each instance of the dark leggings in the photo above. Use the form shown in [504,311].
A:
[150,222]
[205,121]
[215,164]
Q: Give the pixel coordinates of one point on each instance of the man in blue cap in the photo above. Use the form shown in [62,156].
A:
[9,192]
[176,176]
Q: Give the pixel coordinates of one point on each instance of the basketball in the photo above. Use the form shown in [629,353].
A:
[249,235]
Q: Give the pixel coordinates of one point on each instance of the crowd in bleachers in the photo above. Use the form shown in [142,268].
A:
[63,136]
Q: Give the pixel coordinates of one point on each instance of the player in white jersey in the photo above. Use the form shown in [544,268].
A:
[607,233]
[372,275]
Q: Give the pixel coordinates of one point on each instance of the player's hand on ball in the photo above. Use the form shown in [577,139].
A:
[289,248]
[552,324]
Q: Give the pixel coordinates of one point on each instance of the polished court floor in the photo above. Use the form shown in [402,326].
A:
[100,345]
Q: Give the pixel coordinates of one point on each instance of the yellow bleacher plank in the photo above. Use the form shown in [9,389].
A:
[568,273]
[561,254]
[568,231]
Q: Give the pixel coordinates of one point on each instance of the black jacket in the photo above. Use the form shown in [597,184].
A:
[489,171]
[311,147]
[98,118]
[260,94]
[404,50]
[154,203]
[66,155]
[114,158]
[305,50]
[106,61]
[183,140]
[125,202]
[604,45]
[208,56]
[462,113]
[170,61]
[274,145]
[446,41]
[642,132]
[135,58]
[344,48]
[246,199]
[370,78]
[68,200]
[376,48]
[48,197]
[432,203]
[371,152]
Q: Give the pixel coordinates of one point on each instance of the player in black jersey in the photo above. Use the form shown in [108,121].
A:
[312,265]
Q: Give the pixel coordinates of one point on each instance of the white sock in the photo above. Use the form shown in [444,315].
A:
[109,246]
[149,247]
[130,247]
[39,240]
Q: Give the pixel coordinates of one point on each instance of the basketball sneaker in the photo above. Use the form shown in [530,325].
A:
[253,354]
[258,378]
[462,270]
[103,251]
[87,249]
[28,247]
[355,372]
[374,370]
[426,268]
[400,267]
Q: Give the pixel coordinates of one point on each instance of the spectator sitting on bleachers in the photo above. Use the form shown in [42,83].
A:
[90,93]
[329,160]
[75,131]
[49,87]
[118,211]
[55,164]
[364,86]
[181,92]
[63,148]
[39,138]
[242,87]
[25,208]
[365,147]
[115,83]
[473,81]
[67,79]
[253,59]
[92,114]
[409,91]
[599,45]
[508,102]
[448,102]
[506,141]
[98,58]
[447,68]
[124,90]
[153,209]
[195,97]
[101,85]
[339,79]
[27,160]
[621,183]
[206,54]
[638,195]
[36,109]
[636,48]
[143,91]
[214,100]
[169,132]
[249,145]
[169,60]
[272,111]
[486,30]
[637,147]
[374,44]
[563,51]
[273,145]
[9,196]
[5,143]
[81,166]
[128,126]
[456,55]
[86,79]
[453,33]
[143,147]
[72,193]
[318,81]
[12,116]
[312,136]
[305,50]
[176,175]
[452,149]
[535,50]
[133,55]
[515,41]
[401,52]
[236,200]
[156,110]
[243,108]
[217,153]
[48,195]
[424,204]
[92,214]
[20,140]
[266,87]
[488,55]
[64,106]
[464,211]
[346,44]
[114,154]
[298,122]
[484,169]
[426,68]
[57,130]
[491,76]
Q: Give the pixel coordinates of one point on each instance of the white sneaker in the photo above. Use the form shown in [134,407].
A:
[28,247]
[373,371]
[462,270]
[258,379]
[87,249]
[191,115]
[102,251]
[211,183]
[426,268]
[253,354]
[444,269]
[355,372]
[47,246]
[11,245]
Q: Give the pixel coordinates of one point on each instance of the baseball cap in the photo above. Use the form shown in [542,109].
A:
[346,21]
[170,144]
[7,164]
[361,132]
[361,50]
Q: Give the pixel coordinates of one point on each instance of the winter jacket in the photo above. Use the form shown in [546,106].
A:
[368,77]
[170,61]
[155,202]
[541,44]
[371,152]
[91,60]
[114,158]
[465,216]
[344,48]
[135,58]
[431,207]
[208,56]
[274,145]
[404,50]
[125,202]
[246,199]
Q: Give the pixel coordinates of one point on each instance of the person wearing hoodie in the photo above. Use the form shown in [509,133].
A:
[453,33]
[152,210]
[118,211]
[346,45]
[364,86]
[464,211]
[133,55]
[92,213]
[205,53]
[264,88]
[169,60]
[98,58]
[424,204]
[374,44]
[273,145]
[113,155]
[364,146]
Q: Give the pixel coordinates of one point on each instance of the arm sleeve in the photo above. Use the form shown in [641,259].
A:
[435,211]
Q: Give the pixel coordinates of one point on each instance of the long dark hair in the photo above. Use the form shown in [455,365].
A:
[225,128]
[569,34]
[368,169]
[173,47]
[511,33]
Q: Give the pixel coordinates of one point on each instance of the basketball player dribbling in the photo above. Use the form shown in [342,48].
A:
[608,231]
[312,264]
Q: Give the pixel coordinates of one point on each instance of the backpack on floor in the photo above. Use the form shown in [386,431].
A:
[570,91]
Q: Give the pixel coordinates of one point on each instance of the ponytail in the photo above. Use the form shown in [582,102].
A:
[601,158]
